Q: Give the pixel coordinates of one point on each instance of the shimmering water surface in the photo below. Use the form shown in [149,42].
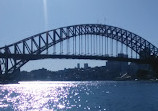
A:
[79,96]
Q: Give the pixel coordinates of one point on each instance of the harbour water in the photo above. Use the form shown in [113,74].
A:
[79,96]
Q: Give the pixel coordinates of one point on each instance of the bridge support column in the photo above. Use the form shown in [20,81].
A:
[6,65]
[6,60]
[0,68]
[14,64]
[154,64]
[155,68]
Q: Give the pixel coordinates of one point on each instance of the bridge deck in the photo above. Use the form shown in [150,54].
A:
[89,57]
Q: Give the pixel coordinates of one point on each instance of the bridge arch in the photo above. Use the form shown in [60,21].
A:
[41,42]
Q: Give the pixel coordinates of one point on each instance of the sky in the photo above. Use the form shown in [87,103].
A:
[20,19]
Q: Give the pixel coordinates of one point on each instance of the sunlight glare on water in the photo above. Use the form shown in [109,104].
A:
[79,96]
[40,96]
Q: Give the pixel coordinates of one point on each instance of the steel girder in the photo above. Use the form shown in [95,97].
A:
[38,43]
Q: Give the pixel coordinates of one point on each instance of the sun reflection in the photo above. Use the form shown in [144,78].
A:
[37,95]
[45,96]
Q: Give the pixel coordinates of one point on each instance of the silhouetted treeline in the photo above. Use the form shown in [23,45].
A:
[80,74]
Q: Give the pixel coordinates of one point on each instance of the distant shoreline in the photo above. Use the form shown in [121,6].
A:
[18,82]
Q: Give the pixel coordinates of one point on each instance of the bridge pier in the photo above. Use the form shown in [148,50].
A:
[155,68]
[6,65]
[6,60]
[154,65]
[0,68]
[14,64]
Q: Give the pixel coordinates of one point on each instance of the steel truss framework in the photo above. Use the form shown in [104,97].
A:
[14,56]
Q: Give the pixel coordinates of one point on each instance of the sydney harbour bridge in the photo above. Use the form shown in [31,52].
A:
[84,41]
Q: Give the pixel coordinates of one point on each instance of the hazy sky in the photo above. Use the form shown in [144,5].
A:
[20,19]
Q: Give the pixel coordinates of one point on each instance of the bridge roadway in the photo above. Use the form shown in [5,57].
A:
[90,57]
[96,39]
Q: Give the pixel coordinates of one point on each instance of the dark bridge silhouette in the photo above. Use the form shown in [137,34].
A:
[85,41]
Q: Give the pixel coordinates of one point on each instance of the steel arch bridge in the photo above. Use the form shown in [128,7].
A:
[85,41]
